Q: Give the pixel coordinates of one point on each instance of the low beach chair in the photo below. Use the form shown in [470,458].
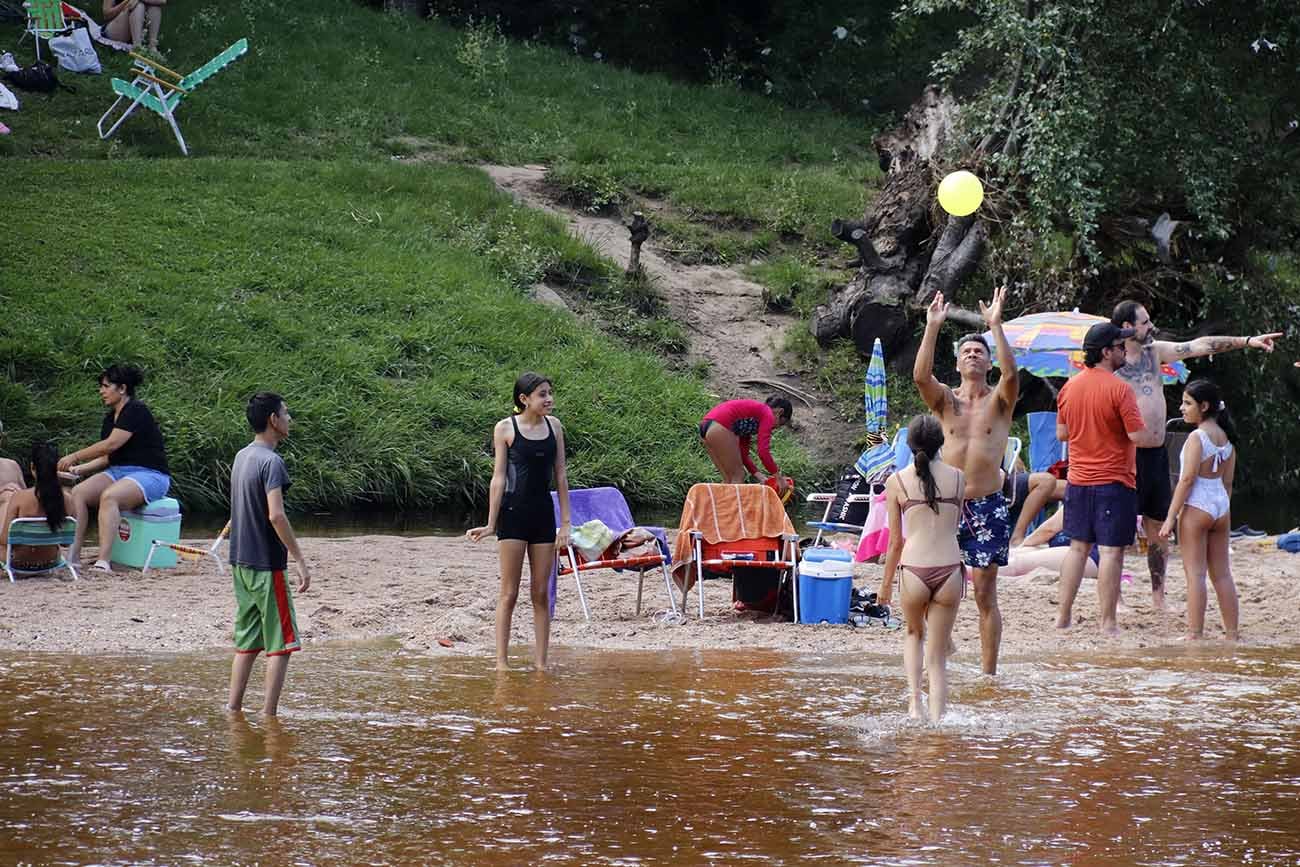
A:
[162,90]
[609,506]
[1044,447]
[1176,433]
[191,552]
[44,19]
[36,531]
[727,530]
[826,524]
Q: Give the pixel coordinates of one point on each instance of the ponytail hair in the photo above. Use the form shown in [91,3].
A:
[49,493]
[925,438]
[1206,392]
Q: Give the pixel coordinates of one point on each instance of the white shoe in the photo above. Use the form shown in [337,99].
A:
[103,566]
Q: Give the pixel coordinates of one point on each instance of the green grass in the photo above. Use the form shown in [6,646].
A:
[334,80]
[383,300]
[322,241]
[795,282]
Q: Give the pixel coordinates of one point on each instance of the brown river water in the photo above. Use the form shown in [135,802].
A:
[383,756]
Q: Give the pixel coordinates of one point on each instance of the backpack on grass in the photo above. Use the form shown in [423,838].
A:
[39,77]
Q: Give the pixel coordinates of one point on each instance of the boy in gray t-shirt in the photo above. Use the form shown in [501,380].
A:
[261,540]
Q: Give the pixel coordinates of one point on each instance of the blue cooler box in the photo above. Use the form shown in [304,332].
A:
[825,585]
[137,529]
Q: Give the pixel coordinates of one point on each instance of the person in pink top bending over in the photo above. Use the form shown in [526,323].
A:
[728,428]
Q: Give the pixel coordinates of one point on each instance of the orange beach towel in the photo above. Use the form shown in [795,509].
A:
[725,513]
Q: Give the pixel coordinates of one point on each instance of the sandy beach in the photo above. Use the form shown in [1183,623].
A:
[426,588]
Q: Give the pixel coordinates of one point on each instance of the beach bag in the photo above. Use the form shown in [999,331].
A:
[844,512]
[39,77]
[592,539]
[1289,542]
[75,52]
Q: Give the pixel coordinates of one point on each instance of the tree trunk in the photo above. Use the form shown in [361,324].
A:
[913,258]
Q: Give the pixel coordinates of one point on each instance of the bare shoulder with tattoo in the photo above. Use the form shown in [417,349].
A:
[1144,374]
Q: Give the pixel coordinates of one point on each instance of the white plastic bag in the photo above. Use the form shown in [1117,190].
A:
[7,99]
[592,538]
[75,52]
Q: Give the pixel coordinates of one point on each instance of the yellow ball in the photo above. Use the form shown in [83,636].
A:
[960,193]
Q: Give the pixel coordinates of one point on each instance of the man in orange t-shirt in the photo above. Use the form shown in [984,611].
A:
[1098,417]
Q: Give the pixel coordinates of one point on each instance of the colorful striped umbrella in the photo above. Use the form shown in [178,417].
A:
[878,459]
[1051,344]
[875,394]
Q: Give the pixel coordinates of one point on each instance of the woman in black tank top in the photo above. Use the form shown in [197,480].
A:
[528,453]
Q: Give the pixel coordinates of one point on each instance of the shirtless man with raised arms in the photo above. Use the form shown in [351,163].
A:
[1144,356]
[976,419]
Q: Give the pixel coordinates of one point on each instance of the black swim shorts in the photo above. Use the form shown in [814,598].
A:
[1154,491]
[528,521]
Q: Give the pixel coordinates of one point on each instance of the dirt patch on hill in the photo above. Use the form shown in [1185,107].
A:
[723,314]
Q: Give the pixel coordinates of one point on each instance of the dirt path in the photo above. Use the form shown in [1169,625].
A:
[722,312]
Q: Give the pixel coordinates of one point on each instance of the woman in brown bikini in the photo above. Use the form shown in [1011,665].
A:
[924,504]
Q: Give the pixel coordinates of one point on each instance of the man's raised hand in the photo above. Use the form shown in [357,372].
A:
[937,312]
[992,311]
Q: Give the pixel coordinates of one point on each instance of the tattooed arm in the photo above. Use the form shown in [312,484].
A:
[1168,351]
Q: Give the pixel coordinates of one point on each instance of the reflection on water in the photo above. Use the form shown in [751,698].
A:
[385,756]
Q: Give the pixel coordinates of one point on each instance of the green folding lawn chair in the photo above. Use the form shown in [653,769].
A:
[36,532]
[44,19]
[161,90]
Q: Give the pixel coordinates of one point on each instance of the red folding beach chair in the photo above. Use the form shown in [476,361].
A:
[727,530]
[609,506]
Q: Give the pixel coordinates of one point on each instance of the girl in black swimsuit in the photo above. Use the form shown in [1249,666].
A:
[529,450]
[924,503]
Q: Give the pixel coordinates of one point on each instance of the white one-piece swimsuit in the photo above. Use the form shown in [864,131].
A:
[1208,494]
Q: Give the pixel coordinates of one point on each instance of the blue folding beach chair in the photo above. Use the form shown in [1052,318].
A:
[1044,447]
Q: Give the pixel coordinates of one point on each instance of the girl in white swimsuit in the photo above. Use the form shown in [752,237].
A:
[1200,505]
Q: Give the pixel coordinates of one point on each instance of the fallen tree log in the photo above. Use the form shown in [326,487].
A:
[904,257]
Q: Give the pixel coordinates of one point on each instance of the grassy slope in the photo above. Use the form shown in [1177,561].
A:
[333,80]
[384,299]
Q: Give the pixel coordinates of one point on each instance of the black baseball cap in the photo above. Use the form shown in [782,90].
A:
[1104,334]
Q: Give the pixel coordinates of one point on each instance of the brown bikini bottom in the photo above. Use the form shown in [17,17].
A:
[934,577]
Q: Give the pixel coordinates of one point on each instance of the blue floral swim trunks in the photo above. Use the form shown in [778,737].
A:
[985,531]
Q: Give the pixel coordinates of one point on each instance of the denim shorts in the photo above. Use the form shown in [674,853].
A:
[1105,515]
[152,483]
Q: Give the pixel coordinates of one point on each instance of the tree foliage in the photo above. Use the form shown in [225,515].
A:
[1096,121]
[861,58]
[1086,109]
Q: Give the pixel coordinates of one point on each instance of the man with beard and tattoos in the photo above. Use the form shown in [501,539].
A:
[976,419]
[1143,356]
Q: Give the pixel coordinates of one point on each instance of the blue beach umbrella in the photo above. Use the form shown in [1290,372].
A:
[878,460]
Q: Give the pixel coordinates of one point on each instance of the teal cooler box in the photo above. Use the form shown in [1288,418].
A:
[137,529]
[825,585]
